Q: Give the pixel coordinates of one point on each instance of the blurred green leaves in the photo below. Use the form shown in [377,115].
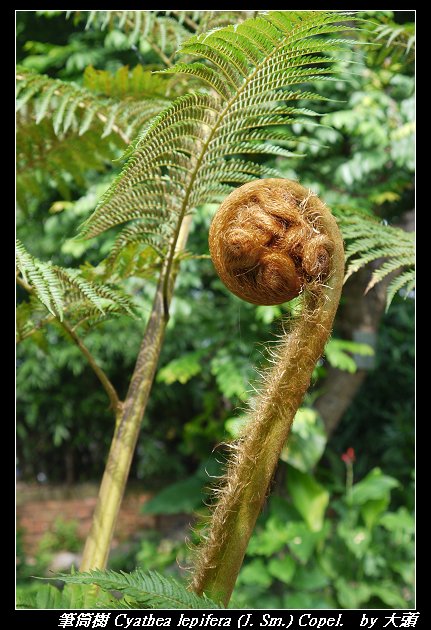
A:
[374,486]
[282,569]
[231,373]
[181,369]
[372,495]
[180,497]
[352,561]
[309,498]
[339,353]
[307,440]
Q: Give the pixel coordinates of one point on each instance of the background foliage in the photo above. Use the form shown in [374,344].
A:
[361,161]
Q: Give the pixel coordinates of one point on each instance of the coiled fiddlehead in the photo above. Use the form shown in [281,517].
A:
[271,240]
[266,242]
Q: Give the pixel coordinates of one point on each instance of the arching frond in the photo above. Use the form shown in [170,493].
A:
[255,73]
[369,241]
[62,292]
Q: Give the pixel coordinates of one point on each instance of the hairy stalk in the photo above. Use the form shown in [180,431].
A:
[255,456]
[129,420]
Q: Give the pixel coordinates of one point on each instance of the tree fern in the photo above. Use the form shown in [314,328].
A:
[369,241]
[190,154]
[252,79]
[63,291]
[143,590]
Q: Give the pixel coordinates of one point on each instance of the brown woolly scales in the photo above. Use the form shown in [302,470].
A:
[271,240]
[266,241]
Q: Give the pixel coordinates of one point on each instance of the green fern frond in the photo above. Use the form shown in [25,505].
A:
[101,296]
[135,259]
[48,597]
[183,158]
[369,241]
[405,280]
[71,106]
[397,35]
[210,20]
[64,291]
[157,237]
[45,161]
[64,130]
[70,597]
[392,42]
[126,83]
[149,590]
[42,278]
[164,31]
[31,317]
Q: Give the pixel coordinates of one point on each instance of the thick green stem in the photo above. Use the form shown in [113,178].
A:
[123,444]
[255,458]
[129,420]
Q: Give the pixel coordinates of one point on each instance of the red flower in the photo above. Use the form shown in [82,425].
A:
[349,456]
